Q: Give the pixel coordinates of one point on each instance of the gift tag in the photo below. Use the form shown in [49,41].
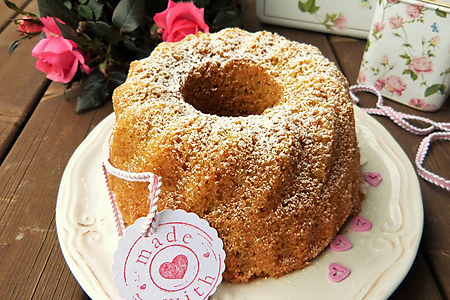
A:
[183,259]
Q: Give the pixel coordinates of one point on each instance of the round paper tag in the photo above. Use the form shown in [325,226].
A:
[183,259]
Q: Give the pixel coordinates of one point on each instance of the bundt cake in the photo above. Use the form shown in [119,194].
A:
[252,132]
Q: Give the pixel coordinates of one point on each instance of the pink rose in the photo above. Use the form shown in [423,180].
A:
[421,65]
[435,40]
[379,26]
[395,84]
[341,22]
[379,84]
[179,20]
[419,103]
[385,59]
[362,77]
[27,27]
[51,29]
[396,22]
[59,58]
[413,11]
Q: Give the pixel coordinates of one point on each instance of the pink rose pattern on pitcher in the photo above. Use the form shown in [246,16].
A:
[410,57]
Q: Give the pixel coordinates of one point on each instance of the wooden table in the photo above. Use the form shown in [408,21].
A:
[39,131]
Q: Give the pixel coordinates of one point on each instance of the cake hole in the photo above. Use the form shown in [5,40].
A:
[231,89]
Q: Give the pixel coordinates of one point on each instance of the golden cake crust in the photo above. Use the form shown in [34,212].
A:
[250,131]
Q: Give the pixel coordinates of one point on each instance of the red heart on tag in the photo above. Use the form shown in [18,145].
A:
[373,179]
[175,269]
[337,272]
[361,224]
[340,243]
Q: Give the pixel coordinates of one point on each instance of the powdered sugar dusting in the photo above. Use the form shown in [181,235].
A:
[252,132]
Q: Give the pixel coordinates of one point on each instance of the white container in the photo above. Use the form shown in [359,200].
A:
[343,17]
[407,56]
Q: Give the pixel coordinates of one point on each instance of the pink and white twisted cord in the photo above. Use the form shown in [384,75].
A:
[154,186]
[117,216]
[401,119]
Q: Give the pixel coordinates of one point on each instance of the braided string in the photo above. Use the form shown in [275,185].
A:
[420,157]
[154,186]
[401,119]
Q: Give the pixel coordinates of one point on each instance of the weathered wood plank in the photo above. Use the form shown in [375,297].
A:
[6,14]
[419,283]
[9,31]
[30,175]
[21,85]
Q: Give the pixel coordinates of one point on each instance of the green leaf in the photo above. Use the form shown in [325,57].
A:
[117,77]
[129,44]
[129,14]
[447,71]
[410,73]
[95,78]
[70,34]
[104,32]
[301,6]
[86,12]
[95,92]
[13,46]
[314,9]
[441,13]
[57,9]
[68,4]
[96,7]
[433,89]
[82,2]
[227,19]
[95,97]
[367,46]
[15,8]
[407,45]
[202,3]
[405,56]
[309,4]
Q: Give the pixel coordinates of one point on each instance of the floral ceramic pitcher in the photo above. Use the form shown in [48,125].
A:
[407,55]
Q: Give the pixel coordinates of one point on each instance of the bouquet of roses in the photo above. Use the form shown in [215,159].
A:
[94,41]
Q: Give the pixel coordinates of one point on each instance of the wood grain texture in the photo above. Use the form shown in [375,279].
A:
[6,15]
[32,172]
[21,85]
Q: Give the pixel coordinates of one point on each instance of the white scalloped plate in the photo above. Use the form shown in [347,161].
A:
[379,259]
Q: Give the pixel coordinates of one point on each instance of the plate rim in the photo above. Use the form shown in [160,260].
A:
[359,114]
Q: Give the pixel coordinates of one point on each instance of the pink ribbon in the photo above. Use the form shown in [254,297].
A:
[401,119]
[154,186]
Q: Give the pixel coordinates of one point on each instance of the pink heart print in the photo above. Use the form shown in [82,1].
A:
[175,269]
[361,224]
[373,179]
[340,243]
[337,272]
